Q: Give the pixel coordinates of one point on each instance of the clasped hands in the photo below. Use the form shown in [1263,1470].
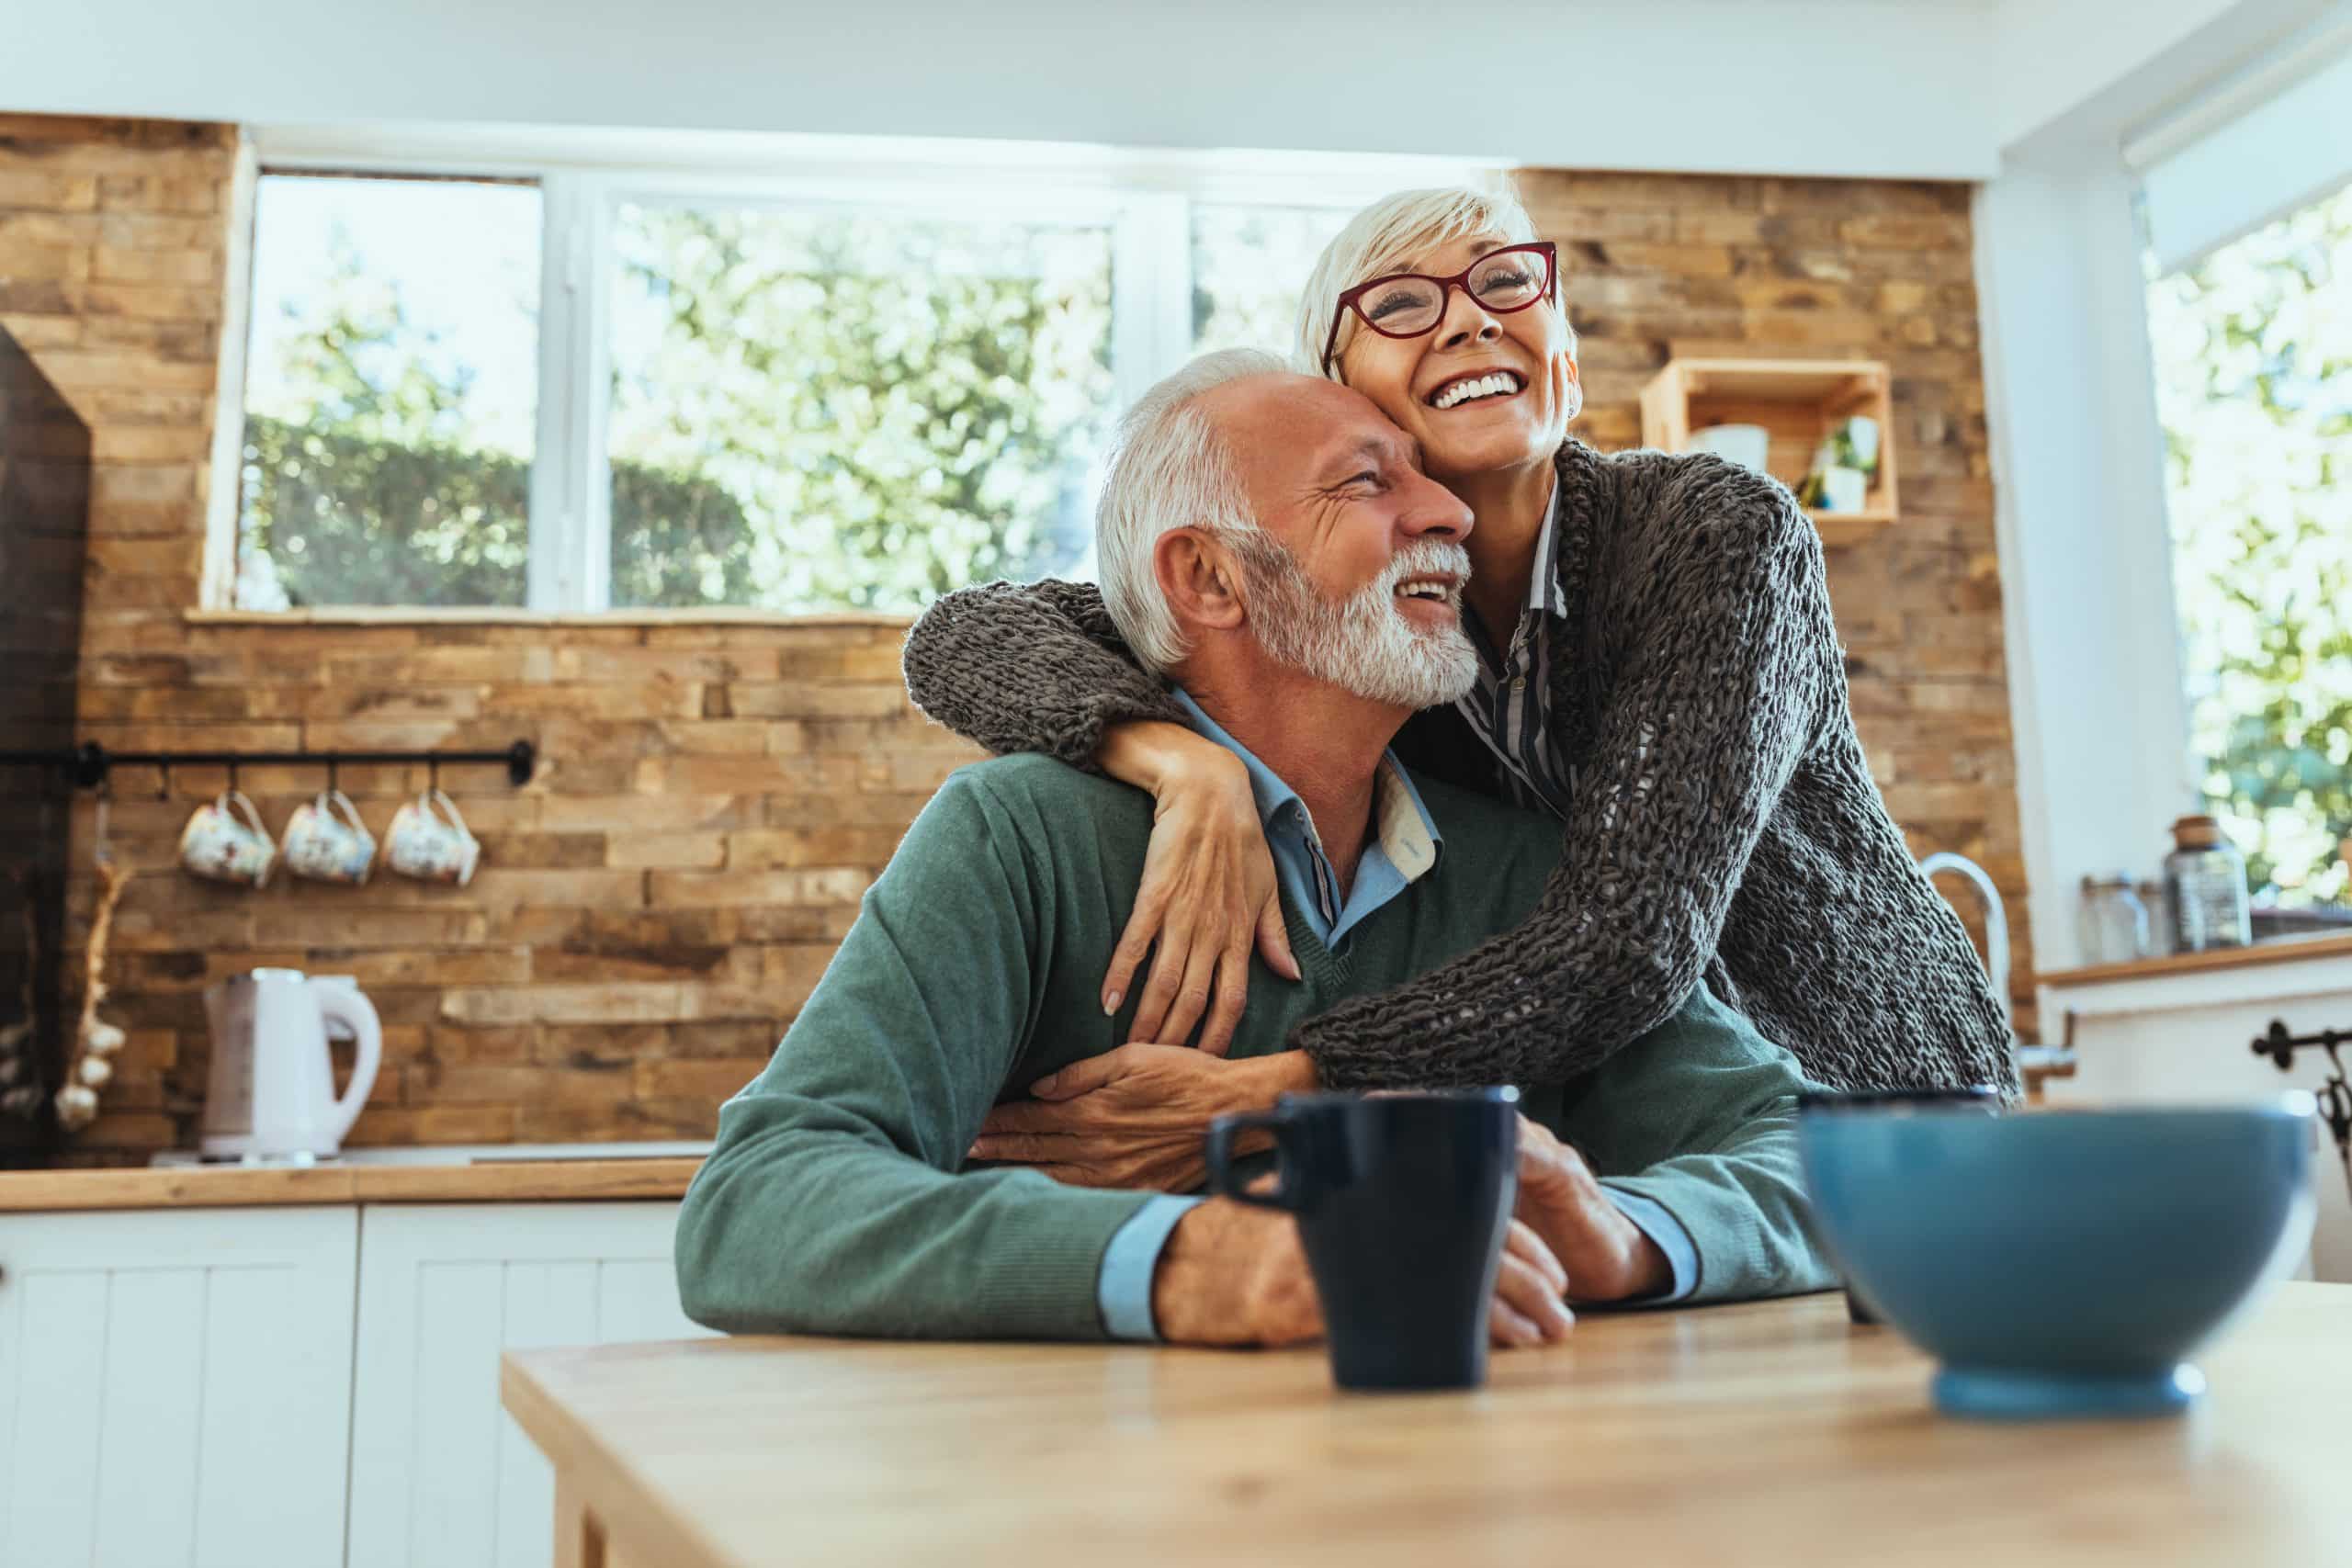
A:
[1134,1118]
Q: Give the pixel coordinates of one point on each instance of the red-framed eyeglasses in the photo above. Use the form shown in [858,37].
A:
[1410,304]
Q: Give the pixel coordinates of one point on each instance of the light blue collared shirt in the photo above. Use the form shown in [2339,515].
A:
[1404,848]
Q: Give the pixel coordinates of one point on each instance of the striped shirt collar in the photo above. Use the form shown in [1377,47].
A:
[1543,594]
[1510,707]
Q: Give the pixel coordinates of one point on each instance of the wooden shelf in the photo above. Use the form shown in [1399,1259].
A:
[1849,527]
[1796,402]
[2277,950]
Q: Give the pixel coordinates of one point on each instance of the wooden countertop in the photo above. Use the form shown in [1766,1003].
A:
[2279,950]
[483,1182]
[1768,1433]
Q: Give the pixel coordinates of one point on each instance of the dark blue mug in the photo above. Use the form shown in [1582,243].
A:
[1403,1202]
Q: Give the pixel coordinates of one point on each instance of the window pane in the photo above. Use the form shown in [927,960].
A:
[2254,369]
[1248,265]
[390,393]
[829,411]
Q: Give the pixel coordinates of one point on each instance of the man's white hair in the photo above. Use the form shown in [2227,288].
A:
[1394,234]
[1168,469]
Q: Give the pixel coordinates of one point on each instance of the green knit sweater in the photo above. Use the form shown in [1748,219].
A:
[835,1202]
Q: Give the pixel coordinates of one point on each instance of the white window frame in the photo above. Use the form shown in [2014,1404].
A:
[1146,199]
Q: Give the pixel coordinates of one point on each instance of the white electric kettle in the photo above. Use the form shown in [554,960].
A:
[272,1090]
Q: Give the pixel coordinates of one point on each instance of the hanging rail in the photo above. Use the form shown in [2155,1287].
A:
[89,763]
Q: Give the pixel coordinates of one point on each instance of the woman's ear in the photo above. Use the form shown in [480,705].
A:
[1199,578]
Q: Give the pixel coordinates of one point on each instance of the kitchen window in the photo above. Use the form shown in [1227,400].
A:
[1248,266]
[391,393]
[541,385]
[2253,347]
[850,410]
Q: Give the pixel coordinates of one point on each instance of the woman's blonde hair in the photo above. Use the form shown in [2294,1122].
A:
[1391,236]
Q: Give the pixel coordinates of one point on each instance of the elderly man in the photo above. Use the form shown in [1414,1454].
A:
[1268,541]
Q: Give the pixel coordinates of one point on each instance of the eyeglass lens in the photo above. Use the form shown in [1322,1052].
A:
[1406,307]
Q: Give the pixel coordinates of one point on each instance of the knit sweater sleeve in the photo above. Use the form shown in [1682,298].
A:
[1030,667]
[1719,691]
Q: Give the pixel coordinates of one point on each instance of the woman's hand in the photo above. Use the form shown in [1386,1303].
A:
[1135,1117]
[1208,892]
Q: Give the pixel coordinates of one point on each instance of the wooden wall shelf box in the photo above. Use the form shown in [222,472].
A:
[1796,400]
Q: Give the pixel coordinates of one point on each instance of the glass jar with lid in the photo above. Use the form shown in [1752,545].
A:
[2205,884]
[2114,920]
[2160,921]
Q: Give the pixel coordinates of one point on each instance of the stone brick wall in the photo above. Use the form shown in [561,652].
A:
[716,792]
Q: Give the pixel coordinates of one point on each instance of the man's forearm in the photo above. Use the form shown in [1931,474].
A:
[799,1223]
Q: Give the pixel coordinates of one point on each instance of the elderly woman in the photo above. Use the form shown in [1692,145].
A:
[1658,668]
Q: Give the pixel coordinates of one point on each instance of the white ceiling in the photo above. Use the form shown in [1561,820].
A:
[1874,88]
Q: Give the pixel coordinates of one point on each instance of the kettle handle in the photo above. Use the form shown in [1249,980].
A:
[343,1005]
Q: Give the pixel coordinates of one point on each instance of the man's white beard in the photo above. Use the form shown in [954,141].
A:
[1361,644]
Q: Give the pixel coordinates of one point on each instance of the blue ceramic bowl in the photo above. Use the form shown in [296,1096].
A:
[2062,1263]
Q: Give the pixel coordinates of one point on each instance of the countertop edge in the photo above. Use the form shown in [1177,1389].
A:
[516,1181]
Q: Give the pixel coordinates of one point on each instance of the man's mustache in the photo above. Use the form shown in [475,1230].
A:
[1424,558]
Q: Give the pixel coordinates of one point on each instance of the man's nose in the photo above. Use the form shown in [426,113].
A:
[1430,509]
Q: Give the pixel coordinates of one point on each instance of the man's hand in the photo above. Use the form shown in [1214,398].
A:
[1135,1117]
[1233,1275]
[1608,1257]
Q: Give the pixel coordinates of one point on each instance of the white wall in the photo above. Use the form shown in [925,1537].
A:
[1772,86]
[2085,557]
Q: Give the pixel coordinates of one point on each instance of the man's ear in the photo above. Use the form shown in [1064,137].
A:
[1200,580]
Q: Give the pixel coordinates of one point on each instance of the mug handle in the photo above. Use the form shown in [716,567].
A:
[1226,1183]
[437,796]
[234,800]
[339,805]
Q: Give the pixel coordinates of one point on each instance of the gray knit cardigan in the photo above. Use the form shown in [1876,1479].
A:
[1723,821]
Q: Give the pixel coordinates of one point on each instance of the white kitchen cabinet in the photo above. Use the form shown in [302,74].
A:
[441,1477]
[2187,1039]
[174,1387]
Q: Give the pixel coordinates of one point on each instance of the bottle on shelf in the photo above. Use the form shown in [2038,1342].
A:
[2205,885]
[2160,922]
[2114,920]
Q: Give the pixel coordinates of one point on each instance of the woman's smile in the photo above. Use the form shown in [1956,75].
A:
[1476,388]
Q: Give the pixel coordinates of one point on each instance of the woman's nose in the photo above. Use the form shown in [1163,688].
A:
[1467,320]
